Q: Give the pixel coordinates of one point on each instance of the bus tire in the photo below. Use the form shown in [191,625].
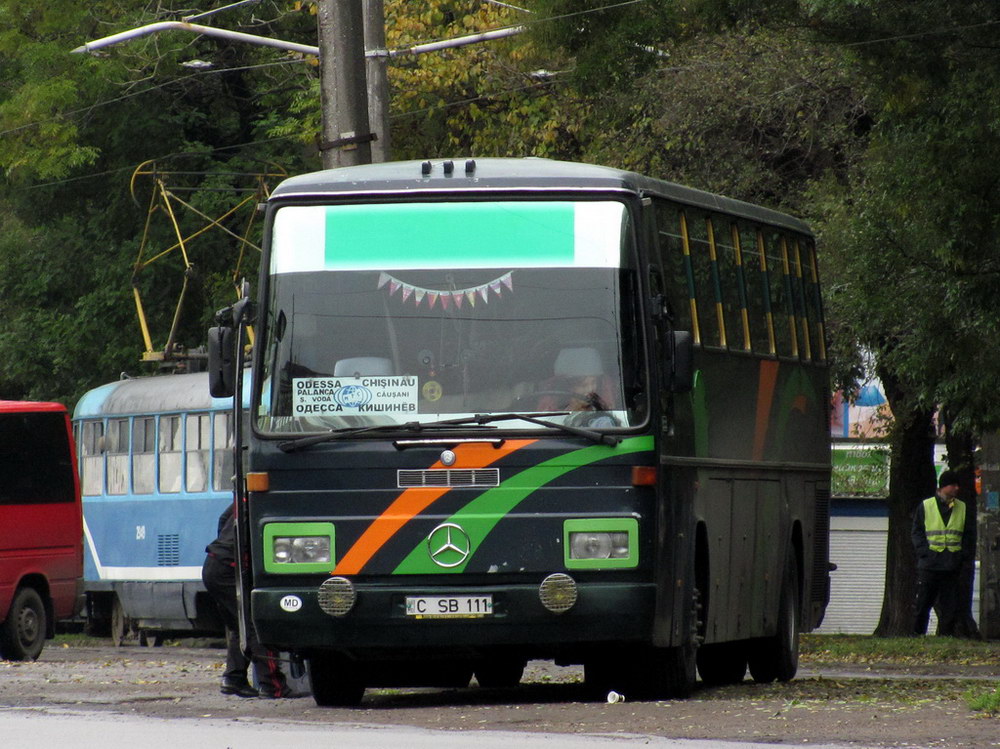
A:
[777,657]
[335,681]
[675,671]
[722,663]
[22,633]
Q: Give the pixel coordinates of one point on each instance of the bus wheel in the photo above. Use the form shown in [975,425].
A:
[335,681]
[777,657]
[497,673]
[673,671]
[722,663]
[22,634]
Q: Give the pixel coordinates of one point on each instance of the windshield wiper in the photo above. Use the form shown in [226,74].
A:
[481,420]
[600,438]
[337,434]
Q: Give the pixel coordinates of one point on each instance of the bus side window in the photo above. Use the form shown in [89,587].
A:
[222,449]
[703,275]
[782,316]
[730,285]
[92,458]
[814,302]
[802,316]
[118,456]
[197,446]
[755,284]
[143,454]
[674,266]
[169,454]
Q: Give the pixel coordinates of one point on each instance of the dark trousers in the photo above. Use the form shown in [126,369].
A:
[941,588]
[220,581]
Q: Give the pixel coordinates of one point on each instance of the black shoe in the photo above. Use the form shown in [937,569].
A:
[240,689]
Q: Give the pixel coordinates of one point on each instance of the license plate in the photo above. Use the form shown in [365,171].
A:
[449,607]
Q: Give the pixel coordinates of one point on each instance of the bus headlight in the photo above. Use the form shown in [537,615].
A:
[601,543]
[596,545]
[301,549]
[295,548]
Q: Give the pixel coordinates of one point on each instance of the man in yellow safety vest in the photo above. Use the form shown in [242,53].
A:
[944,539]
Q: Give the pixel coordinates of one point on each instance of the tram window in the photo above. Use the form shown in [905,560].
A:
[143,454]
[222,445]
[91,458]
[198,446]
[170,454]
[117,449]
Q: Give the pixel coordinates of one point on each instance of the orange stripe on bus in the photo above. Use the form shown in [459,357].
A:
[767,381]
[412,502]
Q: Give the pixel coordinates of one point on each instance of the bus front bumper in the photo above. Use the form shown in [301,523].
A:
[388,617]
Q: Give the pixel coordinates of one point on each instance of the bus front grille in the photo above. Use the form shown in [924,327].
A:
[448,477]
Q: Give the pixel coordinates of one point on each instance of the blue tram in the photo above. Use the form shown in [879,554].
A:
[156,471]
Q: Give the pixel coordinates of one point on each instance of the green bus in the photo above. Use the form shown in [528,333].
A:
[514,409]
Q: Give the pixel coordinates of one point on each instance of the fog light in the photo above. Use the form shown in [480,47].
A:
[337,596]
[558,592]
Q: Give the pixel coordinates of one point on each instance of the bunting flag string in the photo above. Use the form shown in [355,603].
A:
[456,297]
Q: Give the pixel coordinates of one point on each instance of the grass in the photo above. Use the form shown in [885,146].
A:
[906,651]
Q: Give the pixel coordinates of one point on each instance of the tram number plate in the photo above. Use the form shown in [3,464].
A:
[449,607]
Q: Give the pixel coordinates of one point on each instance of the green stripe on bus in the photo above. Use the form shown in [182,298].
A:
[446,235]
[480,516]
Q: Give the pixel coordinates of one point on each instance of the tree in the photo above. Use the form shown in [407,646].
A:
[921,209]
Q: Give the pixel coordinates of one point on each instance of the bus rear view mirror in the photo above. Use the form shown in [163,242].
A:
[221,362]
[682,364]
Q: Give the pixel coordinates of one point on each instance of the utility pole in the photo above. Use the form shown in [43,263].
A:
[346,137]
[376,64]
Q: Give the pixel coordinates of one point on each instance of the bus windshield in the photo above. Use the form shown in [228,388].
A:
[401,312]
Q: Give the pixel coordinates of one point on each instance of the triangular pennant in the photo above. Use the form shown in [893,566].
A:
[495,287]
[383,279]
[407,291]
[508,281]
[446,300]
[471,296]
[484,292]
[394,286]
[418,296]
[459,297]
[432,297]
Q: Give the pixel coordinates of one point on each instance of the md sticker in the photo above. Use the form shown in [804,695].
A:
[291,604]
[354,395]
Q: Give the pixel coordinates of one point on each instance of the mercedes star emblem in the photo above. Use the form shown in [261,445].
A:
[449,545]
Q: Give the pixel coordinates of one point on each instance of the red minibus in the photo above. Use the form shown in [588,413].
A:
[41,526]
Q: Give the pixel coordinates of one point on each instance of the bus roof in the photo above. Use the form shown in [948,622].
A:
[472,175]
[149,395]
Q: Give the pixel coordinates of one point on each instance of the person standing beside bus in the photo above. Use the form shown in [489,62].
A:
[219,575]
[944,539]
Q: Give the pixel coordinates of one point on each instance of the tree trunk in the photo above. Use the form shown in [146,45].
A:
[911,480]
[961,458]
